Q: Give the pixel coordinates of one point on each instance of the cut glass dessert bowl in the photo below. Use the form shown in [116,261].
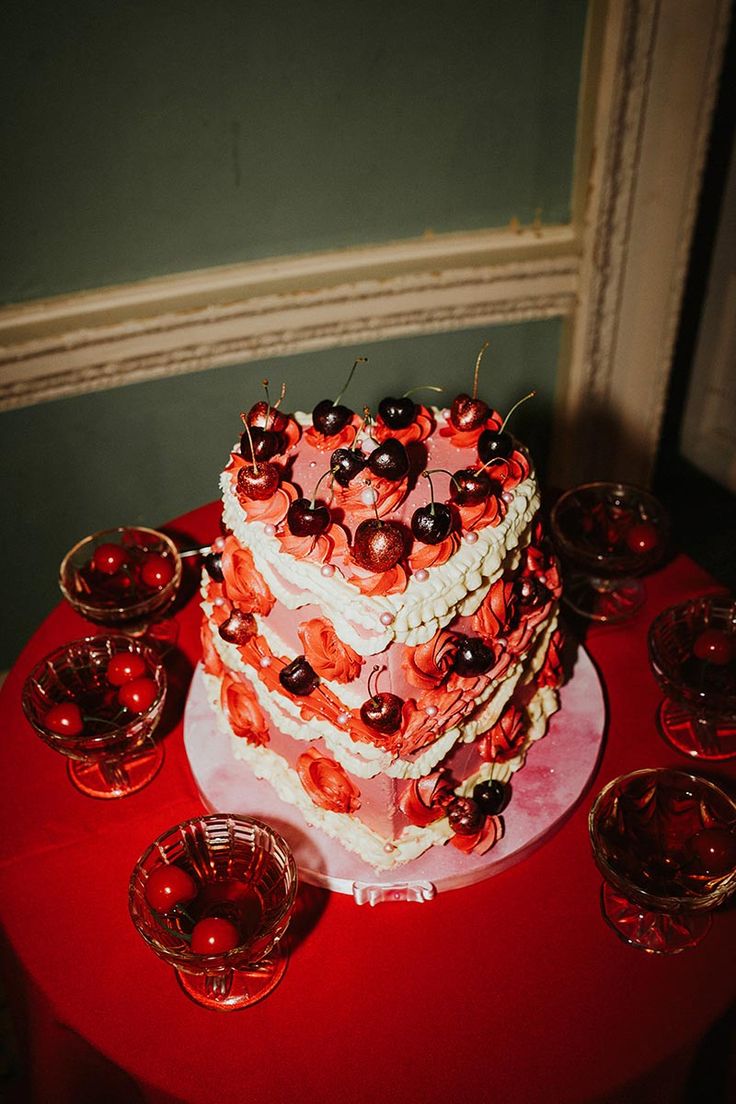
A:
[213,897]
[97,701]
[692,653]
[607,535]
[124,577]
[665,842]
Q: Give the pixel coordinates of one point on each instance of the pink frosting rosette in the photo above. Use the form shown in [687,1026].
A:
[328,655]
[344,439]
[423,800]
[327,784]
[243,584]
[244,715]
[501,742]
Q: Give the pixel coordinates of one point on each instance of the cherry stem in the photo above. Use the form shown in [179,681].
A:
[493,460]
[513,408]
[316,488]
[374,692]
[431,489]
[443,471]
[250,442]
[423,387]
[477,368]
[359,360]
[359,429]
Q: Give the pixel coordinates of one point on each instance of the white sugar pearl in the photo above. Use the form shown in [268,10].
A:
[508,496]
[542,579]
[265,661]
[218,545]
[431,710]
[421,575]
[218,601]
[471,537]
[388,848]
[368,496]
[313,463]
[386,619]
[270,530]
[343,718]
[327,570]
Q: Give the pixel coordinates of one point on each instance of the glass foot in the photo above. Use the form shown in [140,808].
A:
[603,600]
[653,932]
[235,989]
[698,739]
[107,780]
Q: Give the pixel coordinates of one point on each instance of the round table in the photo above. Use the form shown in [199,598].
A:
[511,989]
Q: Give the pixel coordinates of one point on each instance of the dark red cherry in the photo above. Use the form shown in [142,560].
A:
[398,413]
[642,537]
[156,571]
[467,413]
[470,486]
[329,419]
[108,559]
[713,850]
[494,443]
[214,935]
[64,719]
[213,565]
[378,545]
[531,593]
[238,628]
[390,460]
[138,695]
[124,667]
[169,886]
[345,464]
[473,657]
[260,444]
[263,416]
[383,713]
[714,646]
[492,796]
[299,677]
[465,816]
[307,519]
[258,481]
[430,524]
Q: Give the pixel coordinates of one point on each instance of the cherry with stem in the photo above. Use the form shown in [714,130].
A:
[497,444]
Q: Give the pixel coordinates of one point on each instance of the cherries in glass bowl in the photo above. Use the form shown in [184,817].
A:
[123,577]
[98,701]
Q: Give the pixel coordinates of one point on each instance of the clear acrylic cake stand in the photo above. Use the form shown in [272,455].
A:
[556,775]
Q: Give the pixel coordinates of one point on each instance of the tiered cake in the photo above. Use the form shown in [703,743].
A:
[382,647]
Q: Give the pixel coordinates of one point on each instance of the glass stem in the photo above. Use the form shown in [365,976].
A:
[115,775]
[217,986]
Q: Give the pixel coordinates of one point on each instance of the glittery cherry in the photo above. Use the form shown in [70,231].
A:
[468,412]
[378,545]
[258,480]
[265,416]
[465,816]
[238,628]
[299,677]
[382,711]
[492,796]
[473,657]
[497,443]
[329,417]
[390,460]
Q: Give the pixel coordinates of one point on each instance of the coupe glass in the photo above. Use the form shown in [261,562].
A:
[692,652]
[242,872]
[108,744]
[137,592]
[665,843]
[607,535]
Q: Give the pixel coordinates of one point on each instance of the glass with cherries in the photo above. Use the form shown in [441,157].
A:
[213,897]
[665,842]
[125,577]
[692,653]
[98,701]
[607,534]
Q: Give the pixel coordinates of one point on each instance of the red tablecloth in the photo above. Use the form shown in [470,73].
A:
[513,989]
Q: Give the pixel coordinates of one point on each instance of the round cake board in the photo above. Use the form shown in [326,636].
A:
[557,773]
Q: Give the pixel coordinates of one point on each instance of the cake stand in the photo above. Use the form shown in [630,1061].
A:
[556,775]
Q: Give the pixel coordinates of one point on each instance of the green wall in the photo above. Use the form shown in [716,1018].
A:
[144,137]
[149,452]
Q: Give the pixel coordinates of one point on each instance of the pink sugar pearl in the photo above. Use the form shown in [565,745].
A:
[386,619]
[421,575]
[327,570]
[471,537]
